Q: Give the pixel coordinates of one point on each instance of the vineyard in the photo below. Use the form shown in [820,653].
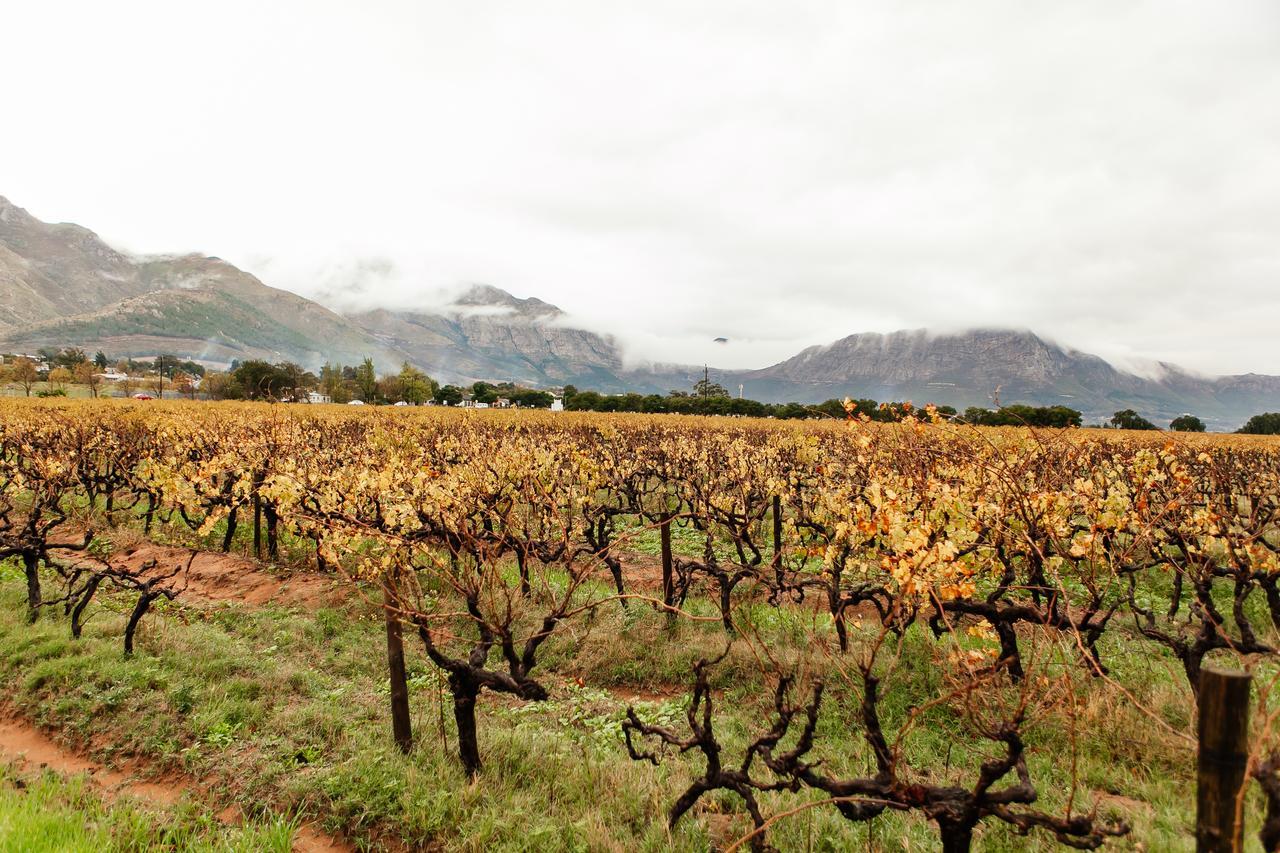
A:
[515,630]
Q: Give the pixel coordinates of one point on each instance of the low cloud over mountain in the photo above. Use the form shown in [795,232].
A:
[62,285]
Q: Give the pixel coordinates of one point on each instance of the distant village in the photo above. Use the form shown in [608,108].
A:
[70,371]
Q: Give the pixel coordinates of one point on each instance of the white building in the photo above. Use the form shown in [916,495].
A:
[557,404]
[317,397]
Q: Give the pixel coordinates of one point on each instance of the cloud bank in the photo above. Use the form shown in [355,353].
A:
[1107,173]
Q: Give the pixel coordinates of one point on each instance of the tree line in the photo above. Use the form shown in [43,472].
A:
[257,379]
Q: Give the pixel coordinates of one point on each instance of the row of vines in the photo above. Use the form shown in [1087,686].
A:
[1020,555]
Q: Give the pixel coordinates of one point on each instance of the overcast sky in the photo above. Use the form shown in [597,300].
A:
[781,174]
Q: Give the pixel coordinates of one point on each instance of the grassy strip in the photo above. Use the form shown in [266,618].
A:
[66,815]
[287,711]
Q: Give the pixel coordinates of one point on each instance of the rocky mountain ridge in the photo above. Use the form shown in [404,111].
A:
[489,334]
[60,284]
[981,366]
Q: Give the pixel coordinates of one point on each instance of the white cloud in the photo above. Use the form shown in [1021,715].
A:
[1105,172]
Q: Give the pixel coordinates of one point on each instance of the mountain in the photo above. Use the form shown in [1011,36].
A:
[489,334]
[49,271]
[61,285]
[969,368]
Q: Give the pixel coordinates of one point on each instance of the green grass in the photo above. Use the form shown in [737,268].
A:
[286,710]
[59,814]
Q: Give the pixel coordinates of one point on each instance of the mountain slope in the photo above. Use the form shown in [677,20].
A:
[49,271]
[970,368]
[489,334]
[978,361]
[62,285]
[227,315]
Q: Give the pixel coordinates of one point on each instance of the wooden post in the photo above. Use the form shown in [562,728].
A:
[777,542]
[668,579]
[401,725]
[1223,756]
[777,526]
[257,525]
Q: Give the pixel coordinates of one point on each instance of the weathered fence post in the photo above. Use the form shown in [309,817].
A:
[668,576]
[257,525]
[1224,754]
[401,726]
[777,542]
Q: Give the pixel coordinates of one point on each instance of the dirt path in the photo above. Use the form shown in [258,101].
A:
[216,577]
[660,693]
[28,748]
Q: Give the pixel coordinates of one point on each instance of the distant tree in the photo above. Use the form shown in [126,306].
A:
[59,377]
[417,387]
[588,401]
[655,404]
[707,389]
[791,411]
[184,384]
[1186,423]
[832,409]
[165,365]
[1129,419]
[86,374]
[1267,423]
[263,381]
[6,375]
[128,383]
[568,392]
[866,406]
[891,412]
[367,381]
[1020,415]
[332,385]
[25,373]
[100,360]
[69,357]
[529,399]
[221,386]
[483,392]
[448,395]
[297,380]
[748,408]
[391,389]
